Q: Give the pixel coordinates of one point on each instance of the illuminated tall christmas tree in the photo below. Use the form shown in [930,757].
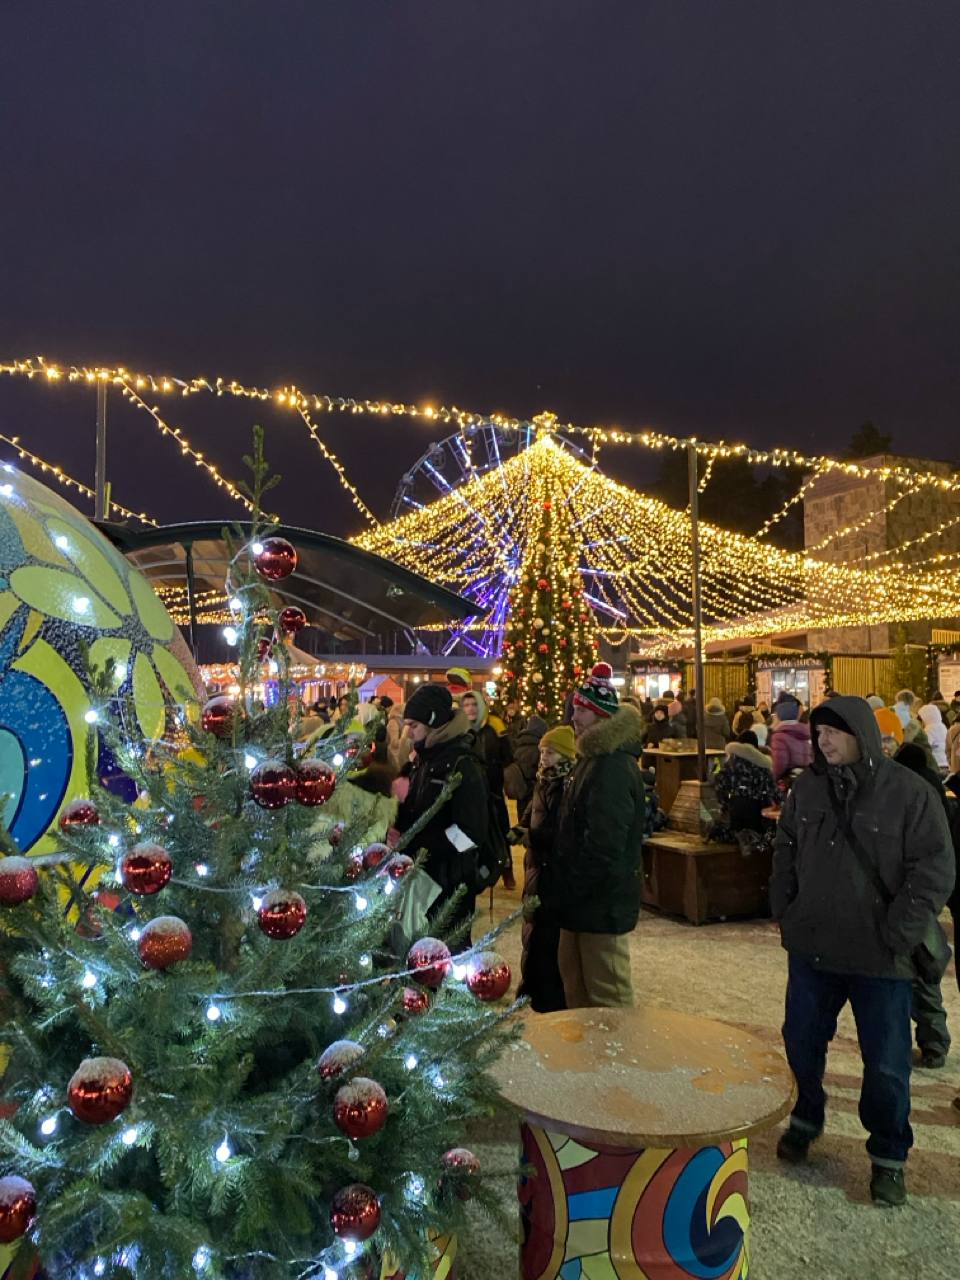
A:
[550,638]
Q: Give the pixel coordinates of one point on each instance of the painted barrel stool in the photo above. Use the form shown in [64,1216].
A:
[634,1142]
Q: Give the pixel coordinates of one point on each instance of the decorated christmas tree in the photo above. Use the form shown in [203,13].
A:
[550,639]
[230,1048]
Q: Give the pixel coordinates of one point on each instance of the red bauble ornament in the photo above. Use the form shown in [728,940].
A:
[217,716]
[146,868]
[336,834]
[282,914]
[543,584]
[79,813]
[263,648]
[488,976]
[584,617]
[277,559]
[273,784]
[398,866]
[18,1208]
[338,1058]
[548,505]
[315,783]
[360,1108]
[461,1166]
[562,642]
[18,880]
[414,1000]
[99,1090]
[543,648]
[432,961]
[596,642]
[292,619]
[353,868]
[374,854]
[164,941]
[355,1212]
[566,604]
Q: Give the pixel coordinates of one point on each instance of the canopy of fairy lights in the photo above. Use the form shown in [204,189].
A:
[635,561]
[635,552]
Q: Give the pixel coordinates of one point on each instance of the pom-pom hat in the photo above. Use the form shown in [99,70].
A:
[597,692]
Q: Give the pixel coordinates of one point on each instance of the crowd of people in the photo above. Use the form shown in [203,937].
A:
[857,800]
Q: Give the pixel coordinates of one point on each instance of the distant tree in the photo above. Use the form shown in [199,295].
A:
[867,441]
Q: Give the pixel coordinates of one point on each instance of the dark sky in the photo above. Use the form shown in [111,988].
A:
[734,218]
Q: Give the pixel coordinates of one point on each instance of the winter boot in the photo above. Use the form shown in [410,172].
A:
[794,1145]
[887,1187]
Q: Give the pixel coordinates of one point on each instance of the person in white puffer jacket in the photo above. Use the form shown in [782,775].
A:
[936,732]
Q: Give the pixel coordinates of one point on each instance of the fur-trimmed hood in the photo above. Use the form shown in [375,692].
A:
[623,731]
[752,755]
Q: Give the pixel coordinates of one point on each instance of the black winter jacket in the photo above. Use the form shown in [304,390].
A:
[828,909]
[449,749]
[526,756]
[597,859]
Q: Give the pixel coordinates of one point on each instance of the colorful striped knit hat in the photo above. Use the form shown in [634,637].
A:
[597,692]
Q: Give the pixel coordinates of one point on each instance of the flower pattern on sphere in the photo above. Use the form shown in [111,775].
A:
[63,590]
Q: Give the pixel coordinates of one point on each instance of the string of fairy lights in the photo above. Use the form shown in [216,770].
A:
[635,551]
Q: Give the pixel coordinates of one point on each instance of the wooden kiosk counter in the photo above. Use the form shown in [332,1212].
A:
[634,1136]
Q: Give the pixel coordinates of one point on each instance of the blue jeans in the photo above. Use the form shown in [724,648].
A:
[881,1008]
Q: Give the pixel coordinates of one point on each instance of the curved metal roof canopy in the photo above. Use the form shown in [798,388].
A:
[347,594]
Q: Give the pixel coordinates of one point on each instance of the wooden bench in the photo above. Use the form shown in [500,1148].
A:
[634,1136]
[685,875]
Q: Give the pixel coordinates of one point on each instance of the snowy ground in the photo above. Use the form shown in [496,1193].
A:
[816,1221]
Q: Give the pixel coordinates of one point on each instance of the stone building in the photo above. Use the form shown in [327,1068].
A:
[869,522]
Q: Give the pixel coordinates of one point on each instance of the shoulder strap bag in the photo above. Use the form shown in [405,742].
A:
[932,954]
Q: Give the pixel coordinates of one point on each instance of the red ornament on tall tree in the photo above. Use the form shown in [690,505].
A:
[79,813]
[282,914]
[355,1212]
[146,869]
[292,619]
[316,783]
[360,1108]
[273,784]
[18,1208]
[276,559]
[99,1090]
[431,961]
[18,880]
[164,941]
[217,716]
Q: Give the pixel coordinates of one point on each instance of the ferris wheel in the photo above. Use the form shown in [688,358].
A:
[470,452]
[444,471]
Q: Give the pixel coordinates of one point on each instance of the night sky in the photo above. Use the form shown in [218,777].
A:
[738,219]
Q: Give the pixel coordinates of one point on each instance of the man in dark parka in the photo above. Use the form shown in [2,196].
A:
[845,940]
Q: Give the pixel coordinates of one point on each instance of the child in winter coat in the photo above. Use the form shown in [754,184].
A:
[540,977]
[745,786]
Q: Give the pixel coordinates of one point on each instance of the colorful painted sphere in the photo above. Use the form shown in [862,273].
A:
[276,559]
[18,880]
[488,976]
[431,961]
[164,941]
[282,914]
[355,1212]
[99,1090]
[18,1208]
[292,619]
[66,590]
[217,716]
[79,813]
[146,869]
[338,1058]
[360,1108]
[315,783]
[273,784]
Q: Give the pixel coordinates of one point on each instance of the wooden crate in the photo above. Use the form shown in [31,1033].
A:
[684,875]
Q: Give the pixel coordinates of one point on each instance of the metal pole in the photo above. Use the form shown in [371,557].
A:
[191,598]
[694,483]
[101,502]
